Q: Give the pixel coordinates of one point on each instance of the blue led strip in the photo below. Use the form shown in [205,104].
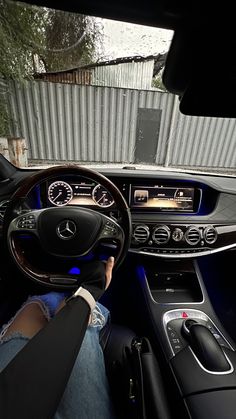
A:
[74,271]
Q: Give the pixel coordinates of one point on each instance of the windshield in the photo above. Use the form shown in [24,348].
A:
[83,89]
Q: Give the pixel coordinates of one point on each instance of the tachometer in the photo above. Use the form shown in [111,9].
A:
[60,193]
[102,197]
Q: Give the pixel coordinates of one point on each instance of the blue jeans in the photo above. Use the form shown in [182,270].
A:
[87,392]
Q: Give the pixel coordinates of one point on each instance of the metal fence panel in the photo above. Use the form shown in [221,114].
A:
[202,142]
[84,123]
[66,122]
[134,75]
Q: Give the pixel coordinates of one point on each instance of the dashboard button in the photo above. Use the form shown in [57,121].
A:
[177,234]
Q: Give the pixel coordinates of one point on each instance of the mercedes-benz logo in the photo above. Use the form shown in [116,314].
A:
[66,229]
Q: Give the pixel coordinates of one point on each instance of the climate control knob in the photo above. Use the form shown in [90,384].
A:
[177,234]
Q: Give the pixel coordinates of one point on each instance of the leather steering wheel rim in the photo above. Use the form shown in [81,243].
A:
[44,278]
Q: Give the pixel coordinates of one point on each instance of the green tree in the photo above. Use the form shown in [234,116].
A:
[29,34]
[33,39]
[21,29]
[71,40]
[158,69]
[157,83]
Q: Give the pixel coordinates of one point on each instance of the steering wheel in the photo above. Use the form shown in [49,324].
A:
[65,232]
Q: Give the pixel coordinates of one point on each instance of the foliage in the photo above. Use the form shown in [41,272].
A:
[33,38]
[30,34]
[4,118]
[64,30]
[157,83]
[20,30]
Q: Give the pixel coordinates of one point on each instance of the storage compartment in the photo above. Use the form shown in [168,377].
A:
[174,282]
[215,404]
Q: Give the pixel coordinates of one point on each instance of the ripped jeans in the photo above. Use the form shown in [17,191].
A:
[87,392]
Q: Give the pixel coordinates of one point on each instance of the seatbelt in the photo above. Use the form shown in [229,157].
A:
[32,384]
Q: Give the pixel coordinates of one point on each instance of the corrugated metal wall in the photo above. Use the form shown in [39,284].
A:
[73,77]
[84,123]
[98,124]
[201,141]
[134,75]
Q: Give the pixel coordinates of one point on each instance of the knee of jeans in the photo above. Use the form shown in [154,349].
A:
[11,336]
[99,316]
[9,347]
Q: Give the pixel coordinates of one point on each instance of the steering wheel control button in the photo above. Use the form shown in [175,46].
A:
[109,229]
[27,222]
[66,229]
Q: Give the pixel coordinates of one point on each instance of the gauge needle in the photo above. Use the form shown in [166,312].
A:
[101,198]
[57,196]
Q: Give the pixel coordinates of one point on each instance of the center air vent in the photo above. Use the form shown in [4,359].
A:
[141,233]
[3,207]
[161,234]
[210,234]
[192,236]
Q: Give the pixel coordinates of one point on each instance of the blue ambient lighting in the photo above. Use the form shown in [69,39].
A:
[140,271]
[103,256]
[87,257]
[38,200]
[74,271]
[26,236]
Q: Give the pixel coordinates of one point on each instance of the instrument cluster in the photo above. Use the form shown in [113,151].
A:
[79,192]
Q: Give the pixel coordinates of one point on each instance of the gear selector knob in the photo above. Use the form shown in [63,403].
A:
[186,325]
[205,346]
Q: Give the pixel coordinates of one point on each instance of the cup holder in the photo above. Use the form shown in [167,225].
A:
[174,287]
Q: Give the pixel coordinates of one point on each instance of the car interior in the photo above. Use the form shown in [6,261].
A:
[173,281]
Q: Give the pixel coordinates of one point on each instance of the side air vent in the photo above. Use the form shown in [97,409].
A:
[141,233]
[161,234]
[3,207]
[210,234]
[192,236]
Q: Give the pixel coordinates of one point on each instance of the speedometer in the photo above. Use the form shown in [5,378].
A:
[102,197]
[60,193]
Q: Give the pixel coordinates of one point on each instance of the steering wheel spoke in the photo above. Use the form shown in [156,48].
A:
[26,223]
[64,233]
[111,231]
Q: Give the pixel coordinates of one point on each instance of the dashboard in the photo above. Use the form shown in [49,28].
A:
[78,192]
[159,196]
[173,214]
[163,198]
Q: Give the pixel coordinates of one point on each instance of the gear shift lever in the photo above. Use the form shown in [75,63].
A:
[205,346]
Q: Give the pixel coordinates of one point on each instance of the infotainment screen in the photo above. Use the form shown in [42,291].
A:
[162,198]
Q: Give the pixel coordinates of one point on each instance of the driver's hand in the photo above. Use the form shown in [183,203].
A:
[108,273]
[109,267]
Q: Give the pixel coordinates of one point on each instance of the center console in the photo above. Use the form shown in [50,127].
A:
[200,354]
[182,240]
